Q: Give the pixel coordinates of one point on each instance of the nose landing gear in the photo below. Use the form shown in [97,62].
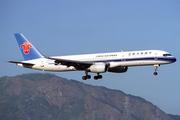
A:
[156,68]
[155,73]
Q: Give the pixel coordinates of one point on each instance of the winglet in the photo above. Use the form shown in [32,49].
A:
[28,50]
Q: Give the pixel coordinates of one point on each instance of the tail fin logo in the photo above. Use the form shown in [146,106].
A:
[26,47]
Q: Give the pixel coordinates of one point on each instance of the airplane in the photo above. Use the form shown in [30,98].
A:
[116,62]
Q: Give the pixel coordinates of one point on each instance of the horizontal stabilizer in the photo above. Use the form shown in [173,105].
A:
[30,64]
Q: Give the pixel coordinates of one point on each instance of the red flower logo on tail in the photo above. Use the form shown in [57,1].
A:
[26,47]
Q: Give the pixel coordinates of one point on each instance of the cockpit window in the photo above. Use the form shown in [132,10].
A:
[167,55]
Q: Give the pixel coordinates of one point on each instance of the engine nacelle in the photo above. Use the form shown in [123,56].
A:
[118,69]
[98,68]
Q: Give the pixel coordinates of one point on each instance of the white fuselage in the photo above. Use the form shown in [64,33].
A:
[114,59]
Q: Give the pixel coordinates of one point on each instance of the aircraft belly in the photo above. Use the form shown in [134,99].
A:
[54,68]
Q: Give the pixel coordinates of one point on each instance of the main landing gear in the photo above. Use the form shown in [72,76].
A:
[156,68]
[86,77]
[89,77]
[97,77]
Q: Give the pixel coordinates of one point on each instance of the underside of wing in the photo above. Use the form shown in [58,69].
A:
[77,64]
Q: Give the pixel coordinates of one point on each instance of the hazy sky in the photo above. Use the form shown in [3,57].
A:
[61,27]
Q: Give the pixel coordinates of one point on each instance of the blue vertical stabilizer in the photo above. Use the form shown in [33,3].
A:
[28,50]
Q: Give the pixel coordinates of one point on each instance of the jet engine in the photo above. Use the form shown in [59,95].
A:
[98,68]
[118,69]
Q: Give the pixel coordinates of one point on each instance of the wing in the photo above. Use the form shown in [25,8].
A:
[77,64]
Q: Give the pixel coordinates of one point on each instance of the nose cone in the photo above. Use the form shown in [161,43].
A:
[173,59]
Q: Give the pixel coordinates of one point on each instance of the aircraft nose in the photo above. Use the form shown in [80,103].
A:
[174,59]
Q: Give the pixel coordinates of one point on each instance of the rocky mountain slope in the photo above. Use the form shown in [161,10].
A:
[49,97]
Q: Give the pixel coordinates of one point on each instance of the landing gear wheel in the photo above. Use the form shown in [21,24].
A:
[84,77]
[88,77]
[100,76]
[95,77]
[156,68]
[155,73]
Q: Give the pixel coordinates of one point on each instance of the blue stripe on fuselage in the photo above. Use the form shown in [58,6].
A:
[167,59]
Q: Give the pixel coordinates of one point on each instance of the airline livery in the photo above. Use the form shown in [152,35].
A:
[117,62]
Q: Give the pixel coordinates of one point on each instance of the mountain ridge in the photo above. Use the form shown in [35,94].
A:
[47,96]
